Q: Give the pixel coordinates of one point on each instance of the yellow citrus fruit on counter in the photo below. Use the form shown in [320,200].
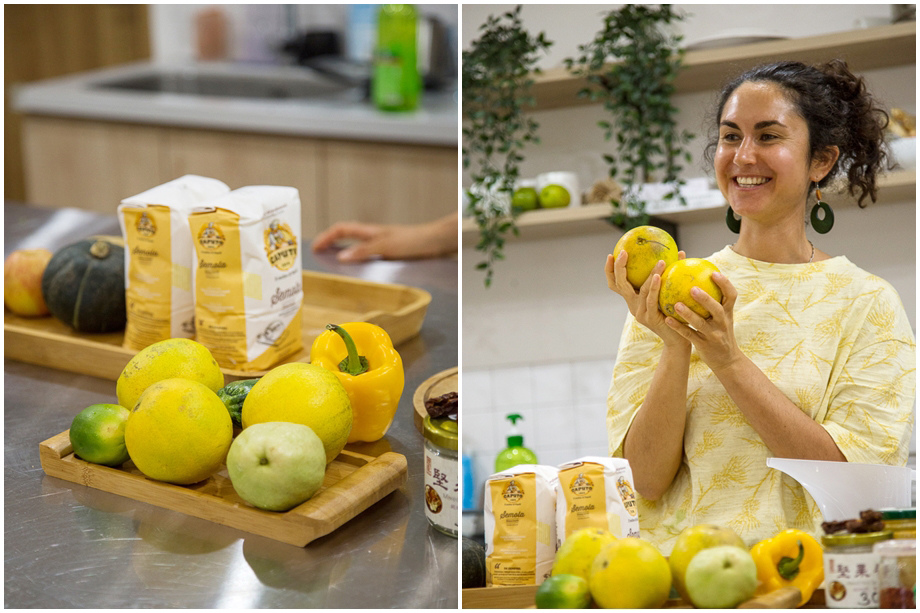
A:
[578,551]
[179,431]
[630,574]
[563,592]
[303,394]
[677,280]
[174,357]
[646,246]
[97,434]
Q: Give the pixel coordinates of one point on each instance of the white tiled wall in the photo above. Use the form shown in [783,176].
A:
[563,405]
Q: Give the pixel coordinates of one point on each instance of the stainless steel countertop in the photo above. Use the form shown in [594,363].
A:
[67,545]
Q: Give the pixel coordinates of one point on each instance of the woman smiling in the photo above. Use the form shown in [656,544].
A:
[807,356]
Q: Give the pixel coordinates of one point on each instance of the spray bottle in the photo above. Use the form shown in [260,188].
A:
[515,453]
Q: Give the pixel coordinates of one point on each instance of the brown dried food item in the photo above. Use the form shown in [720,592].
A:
[869,521]
[833,527]
[443,405]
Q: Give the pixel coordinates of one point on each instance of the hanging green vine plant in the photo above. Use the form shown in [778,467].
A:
[497,75]
[630,67]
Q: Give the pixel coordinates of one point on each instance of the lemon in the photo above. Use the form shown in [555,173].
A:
[97,434]
[578,551]
[630,574]
[563,592]
[174,357]
[677,280]
[179,431]
[646,246]
[303,394]
[554,196]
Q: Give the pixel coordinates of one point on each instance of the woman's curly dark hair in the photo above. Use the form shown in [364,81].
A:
[838,111]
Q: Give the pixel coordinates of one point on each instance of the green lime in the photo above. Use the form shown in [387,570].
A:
[525,199]
[563,592]
[554,196]
[97,434]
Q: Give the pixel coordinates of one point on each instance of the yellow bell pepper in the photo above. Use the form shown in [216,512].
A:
[791,558]
[362,356]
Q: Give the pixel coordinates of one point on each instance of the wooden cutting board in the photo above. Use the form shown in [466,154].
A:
[522,597]
[398,309]
[353,483]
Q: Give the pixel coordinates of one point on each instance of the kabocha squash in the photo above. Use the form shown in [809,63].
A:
[474,564]
[84,286]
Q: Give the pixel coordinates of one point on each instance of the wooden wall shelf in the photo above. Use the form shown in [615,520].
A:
[899,186]
[867,49]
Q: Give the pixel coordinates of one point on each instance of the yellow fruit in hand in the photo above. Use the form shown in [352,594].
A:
[303,394]
[179,431]
[578,551]
[690,542]
[646,246]
[630,574]
[174,357]
[677,280]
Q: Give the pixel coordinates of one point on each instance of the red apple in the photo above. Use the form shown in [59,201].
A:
[22,282]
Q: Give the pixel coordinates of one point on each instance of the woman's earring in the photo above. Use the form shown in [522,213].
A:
[733,223]
[821,226]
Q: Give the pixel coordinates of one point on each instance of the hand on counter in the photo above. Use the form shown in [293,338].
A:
[392,242]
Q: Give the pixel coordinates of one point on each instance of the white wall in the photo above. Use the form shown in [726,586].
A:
[549,315]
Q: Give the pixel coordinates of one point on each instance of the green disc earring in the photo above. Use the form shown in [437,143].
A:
[733,223]
[821,226]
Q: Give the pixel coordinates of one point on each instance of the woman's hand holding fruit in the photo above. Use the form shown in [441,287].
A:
[643,303]
[714,336]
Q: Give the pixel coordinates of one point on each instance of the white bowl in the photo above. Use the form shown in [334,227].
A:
[843,489]
[904,152]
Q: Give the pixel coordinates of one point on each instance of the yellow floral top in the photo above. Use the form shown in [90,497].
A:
[834,338]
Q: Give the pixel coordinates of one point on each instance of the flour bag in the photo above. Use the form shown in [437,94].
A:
[159,258]
[596,492]
[248,277]
[520,525]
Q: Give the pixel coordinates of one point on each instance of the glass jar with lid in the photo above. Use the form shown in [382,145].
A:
[897,573]
[901,522]
[441,474]
[851,570]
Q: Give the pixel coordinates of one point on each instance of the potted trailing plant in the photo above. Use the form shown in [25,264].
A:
[630,67]
[497,75]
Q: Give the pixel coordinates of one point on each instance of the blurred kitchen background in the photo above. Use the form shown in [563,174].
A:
[105,101]
[541,340]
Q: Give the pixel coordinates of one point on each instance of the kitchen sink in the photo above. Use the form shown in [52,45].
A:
[302,86]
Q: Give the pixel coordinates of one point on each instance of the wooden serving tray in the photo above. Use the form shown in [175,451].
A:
[353,483]
[523,596]
[327,298]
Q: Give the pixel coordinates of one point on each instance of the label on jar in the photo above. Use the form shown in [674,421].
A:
[441,491]
[851,580]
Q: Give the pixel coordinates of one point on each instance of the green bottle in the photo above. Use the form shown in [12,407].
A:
[396,84]
[516,453]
